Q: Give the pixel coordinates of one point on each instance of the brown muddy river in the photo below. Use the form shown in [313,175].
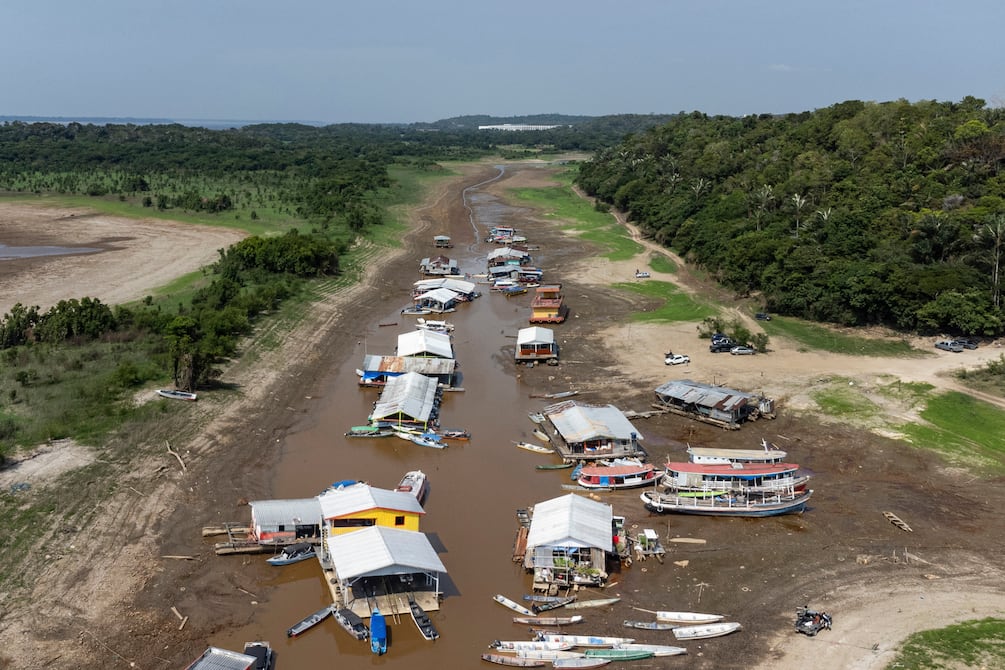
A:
[475,487]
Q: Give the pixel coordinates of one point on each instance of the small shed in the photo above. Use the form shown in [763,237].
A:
[410,399]
[713,404]
[569,540]
[285,521]
[425,343]
[590,432]
[536,344]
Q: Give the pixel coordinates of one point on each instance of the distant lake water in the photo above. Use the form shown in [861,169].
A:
[12,253]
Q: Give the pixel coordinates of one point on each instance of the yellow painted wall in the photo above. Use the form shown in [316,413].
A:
[381,517]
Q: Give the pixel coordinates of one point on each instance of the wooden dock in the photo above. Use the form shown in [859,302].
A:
[392,601]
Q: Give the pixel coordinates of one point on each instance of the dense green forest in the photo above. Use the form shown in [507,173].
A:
[860,213]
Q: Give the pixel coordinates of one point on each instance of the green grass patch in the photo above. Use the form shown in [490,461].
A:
[812,336]
[845,402]
[969,432]
[971,644]
[661,263]
[677,305]
[579,216]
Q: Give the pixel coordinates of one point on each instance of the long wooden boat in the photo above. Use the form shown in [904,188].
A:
[431,440]
[458,434]
[727,504]
[541,598]
[378,633]
[309,622]
[623,476]
[414,483]
[514,661]
[656,649]
[518,645]
[619,654]
[583,640]
[351,622]
[369,431]
[174,394]
[555,466]
[549,654]
[548,620]
[706,630]
[536,448]
[422,621]
[693,618]
[596,602]
[580,662]
[515,606]
[544,607]
[649,625]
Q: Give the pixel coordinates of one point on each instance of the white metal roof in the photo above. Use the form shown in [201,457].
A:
[507,252]
[419,342]
[379,550]
[348,500]
[580,423]
[270,513]
[535,335]
[215,658]
[458,285]
[441,295]
[411,394]
[704,395]
[571,521]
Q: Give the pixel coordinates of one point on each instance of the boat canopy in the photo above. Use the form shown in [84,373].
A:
[378,551]
[425,343]
[571,521]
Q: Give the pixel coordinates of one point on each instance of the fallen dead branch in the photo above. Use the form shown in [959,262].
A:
[175,454]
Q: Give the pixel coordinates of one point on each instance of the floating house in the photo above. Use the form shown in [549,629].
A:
[548,305]
[439,300]
[382,567]
[349,508]
[427,343]
[465,290]
[588,432]
[442,242]
[507,256]
[377,370]
[285,521]
[438,265]
[717,405]
[536,344]
[215,658]
[568,543]
[409,400]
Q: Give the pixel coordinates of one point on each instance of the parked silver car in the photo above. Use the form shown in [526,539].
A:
[742,350]
[949,345]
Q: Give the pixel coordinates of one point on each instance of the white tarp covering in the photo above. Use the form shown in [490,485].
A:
[425,343]
[410,395]
[348,500]
[378,550]
[571,521]
[535,335]
[582,423]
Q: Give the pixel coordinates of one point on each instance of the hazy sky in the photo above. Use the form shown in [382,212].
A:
[373,61]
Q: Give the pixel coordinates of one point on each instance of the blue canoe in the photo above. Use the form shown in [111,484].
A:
[378,633]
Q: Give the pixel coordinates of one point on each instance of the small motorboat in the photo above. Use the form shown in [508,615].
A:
[415,483]
[294,553]
[583,640]
[422,621]
[455,434]
[705,630]
[351,622]
[536,448]
[544,607]
[649,625]
[656,649]
[691,618]
[515,606]
[548,620]
[369,431]
[378,633]
[309,622]
[433,325]
[596,602]
[521,645]
[513,661]
[175,394]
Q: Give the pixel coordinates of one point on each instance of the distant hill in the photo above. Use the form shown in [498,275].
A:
[211,124]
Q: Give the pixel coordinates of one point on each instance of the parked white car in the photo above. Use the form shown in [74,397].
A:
[676,359]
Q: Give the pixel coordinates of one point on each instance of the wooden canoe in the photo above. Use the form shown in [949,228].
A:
[515,661]
[515,606]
